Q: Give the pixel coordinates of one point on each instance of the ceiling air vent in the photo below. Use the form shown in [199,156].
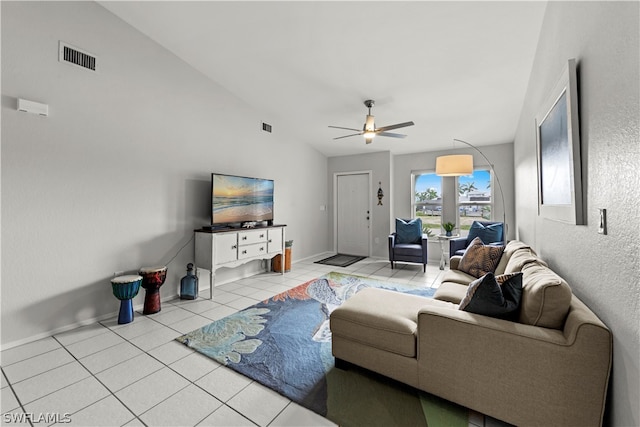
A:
[75,56]
[266,127]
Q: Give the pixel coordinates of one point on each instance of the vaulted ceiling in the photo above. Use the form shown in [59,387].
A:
[456,69]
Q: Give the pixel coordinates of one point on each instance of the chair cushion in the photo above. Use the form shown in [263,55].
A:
[408,249]
[494,296]
[408,231]
[480,259]
[489,233]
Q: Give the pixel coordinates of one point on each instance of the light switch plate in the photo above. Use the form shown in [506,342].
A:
[602,224]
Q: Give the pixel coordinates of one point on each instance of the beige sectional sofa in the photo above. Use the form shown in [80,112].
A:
[550,368]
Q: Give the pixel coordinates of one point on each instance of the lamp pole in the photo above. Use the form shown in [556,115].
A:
[504,207]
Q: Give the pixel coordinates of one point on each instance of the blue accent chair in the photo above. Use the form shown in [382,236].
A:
[402,250]
[490,232]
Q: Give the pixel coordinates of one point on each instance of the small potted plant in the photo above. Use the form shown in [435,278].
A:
[448,227]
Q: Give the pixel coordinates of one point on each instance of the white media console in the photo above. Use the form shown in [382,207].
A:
[234,247]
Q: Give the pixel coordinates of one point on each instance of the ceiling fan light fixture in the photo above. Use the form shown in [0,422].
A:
[369,130]
[369,124]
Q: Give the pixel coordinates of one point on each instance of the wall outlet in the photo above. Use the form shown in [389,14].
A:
[118,273]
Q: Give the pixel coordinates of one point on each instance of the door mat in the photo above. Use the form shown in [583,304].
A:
[341,260]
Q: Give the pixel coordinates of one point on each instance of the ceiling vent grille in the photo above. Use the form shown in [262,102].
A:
[73,55]
[266,127]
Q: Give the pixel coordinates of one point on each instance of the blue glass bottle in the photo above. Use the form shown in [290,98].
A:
[189,284]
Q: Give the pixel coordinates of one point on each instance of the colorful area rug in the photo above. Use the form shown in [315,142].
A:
[341,260]
[284,343]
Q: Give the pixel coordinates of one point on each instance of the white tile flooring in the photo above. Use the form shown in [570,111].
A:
[107,374]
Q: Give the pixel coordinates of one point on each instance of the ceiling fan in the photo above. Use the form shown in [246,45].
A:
[369,130]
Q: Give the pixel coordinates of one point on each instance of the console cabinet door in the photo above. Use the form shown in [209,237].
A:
[226,248]
[274,240]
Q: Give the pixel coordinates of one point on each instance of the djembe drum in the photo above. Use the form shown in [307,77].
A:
[152,279]
[125,288]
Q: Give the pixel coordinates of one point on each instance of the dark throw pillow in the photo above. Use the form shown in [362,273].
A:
[408,231]
[480,259]
[491,233]
[494,296]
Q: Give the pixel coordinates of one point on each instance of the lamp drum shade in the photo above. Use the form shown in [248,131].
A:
[454,165]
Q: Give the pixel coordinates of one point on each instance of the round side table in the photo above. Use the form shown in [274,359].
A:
[443,238]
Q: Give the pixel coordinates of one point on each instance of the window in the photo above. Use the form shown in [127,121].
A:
[427,200]
[474,199]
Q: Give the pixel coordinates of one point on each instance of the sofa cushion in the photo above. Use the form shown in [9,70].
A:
[500,268]
[451,291]
[520,259]
[546,297]
[480,259]
[382,319]
[489,233]
[408,231]
[494,296]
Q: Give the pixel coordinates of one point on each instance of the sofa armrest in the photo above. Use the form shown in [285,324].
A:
[457,244]
[454,262]
[510,370]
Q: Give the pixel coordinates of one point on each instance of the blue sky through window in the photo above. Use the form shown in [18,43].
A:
[481,179]
[427,181]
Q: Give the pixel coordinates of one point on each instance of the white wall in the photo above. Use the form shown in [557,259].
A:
[603,270]
[117,177]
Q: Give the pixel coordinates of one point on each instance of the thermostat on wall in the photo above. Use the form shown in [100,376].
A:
[33,107]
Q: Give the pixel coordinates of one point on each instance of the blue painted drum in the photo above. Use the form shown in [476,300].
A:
[125,288]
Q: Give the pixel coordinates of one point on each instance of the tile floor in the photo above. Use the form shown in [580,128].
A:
[107,374]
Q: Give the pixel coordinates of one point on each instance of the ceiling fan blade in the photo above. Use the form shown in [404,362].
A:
[396,126]
[347,136]
[392,135]
[339,127]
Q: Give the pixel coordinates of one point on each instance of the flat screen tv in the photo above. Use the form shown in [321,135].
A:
[239,199]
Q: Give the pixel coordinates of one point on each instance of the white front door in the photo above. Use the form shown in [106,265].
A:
[352,214]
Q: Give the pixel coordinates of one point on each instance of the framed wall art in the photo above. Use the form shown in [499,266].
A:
[558,152]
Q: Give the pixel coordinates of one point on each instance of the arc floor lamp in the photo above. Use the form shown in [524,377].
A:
[462,164]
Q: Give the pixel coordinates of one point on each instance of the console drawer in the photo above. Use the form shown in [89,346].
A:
[248,251]
[251,237]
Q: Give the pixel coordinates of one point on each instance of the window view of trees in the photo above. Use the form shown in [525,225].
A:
[428,201]
[474,200]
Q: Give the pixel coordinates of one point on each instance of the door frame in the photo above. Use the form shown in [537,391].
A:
[335,206]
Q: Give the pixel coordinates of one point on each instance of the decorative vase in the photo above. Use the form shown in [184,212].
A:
[448,233]
[189,284]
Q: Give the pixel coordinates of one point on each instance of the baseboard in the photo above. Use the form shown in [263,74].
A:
[137,307]
[79,324]
[323,254]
